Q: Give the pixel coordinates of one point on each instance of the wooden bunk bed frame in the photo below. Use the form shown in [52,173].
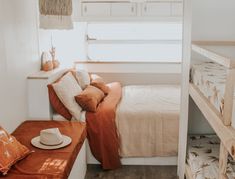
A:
[220,123]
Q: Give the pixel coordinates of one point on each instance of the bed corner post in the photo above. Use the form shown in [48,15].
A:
[183,128]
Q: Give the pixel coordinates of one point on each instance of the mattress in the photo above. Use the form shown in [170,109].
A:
[210,78]
[147,120]
[203,157]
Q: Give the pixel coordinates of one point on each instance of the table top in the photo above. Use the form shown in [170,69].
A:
[52,163]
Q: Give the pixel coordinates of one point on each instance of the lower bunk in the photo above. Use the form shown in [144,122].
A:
[203,158]
[137,122]
[146,120]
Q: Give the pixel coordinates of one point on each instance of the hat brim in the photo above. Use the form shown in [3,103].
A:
[36,143]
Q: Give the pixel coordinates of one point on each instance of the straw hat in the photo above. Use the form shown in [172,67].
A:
[51,139]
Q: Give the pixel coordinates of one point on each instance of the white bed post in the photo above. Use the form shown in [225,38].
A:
[183,128]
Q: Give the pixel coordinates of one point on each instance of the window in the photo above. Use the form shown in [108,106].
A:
[135,42]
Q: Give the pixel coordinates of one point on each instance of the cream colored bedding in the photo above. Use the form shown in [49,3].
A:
[147,120]
[203,157]
[210,78]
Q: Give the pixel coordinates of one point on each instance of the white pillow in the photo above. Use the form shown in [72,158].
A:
[83,78]
[66,89]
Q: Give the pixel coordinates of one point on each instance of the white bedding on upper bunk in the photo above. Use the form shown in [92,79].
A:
[203,157]
[147,120]
[210,78]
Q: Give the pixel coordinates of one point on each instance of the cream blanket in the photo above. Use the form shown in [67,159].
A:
[147,120]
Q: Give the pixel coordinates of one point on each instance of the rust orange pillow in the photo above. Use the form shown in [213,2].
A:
[98,82]
[90,98]
[11,151]
[101,85]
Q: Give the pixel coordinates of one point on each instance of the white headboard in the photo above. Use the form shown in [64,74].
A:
[39,107]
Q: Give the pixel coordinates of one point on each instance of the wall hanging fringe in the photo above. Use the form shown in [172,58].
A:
[55,14]
[56,7]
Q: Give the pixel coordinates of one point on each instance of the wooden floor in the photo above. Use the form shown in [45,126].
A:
[133,172]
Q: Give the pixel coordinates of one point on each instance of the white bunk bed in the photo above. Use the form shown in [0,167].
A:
[222,53]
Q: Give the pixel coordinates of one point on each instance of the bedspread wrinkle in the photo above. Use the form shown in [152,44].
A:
[147,119]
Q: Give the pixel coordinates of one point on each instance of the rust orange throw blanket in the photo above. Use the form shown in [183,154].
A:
[101,129]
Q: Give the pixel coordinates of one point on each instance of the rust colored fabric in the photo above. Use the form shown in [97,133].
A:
[56,104]
[47,164]
[101,129]
[11,151]
[90,98]
[98,83]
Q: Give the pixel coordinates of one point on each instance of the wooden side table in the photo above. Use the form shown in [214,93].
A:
[68,162]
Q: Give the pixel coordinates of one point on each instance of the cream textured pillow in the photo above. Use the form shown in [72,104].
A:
[83,78]
[66,89]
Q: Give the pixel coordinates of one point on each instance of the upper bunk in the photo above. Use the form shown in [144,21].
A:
[221,55]
[221,52]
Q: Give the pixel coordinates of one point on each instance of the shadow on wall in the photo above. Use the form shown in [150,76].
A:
[197,122]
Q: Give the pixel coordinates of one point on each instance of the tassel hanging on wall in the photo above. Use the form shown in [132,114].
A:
[56,7]
[56,14]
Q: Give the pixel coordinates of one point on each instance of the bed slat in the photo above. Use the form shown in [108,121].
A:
[221,59]
[228,97]
[223,158]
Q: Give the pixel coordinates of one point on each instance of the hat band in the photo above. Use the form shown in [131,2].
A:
[51,144]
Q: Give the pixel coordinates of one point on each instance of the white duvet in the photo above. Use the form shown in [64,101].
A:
[147,120]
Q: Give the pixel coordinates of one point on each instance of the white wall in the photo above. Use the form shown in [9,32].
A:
[18,58]
[69,43]
[212,20]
